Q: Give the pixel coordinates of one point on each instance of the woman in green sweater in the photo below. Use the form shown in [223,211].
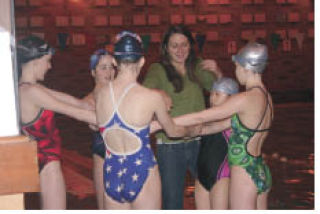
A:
[180,77]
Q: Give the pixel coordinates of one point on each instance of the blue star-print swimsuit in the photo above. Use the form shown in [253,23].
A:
[125,174]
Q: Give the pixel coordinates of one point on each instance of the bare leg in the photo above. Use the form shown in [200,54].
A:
[111,204]
[219,195]
[201,197]
[150,196]
[243,192]
[98,179]
[53,188]
[262,201]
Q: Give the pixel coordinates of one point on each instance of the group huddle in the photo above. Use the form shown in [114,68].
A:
[220,145]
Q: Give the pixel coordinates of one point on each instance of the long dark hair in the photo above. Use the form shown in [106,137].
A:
[173,76]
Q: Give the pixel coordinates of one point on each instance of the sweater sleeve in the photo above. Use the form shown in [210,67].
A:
[205,77]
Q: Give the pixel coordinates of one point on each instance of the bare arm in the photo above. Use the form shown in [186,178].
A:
[66,98]
[44,99]
[90,101]
[216,127]
[166,97]
[90,98]
[167,123]
[207,128]
[233,105]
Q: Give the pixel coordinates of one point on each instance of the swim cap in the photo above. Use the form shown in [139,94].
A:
[253,56]
[95,57]
[128,46]
[32,47]
[226,85]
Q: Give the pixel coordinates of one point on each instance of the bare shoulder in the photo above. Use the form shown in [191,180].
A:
[255,95]
[101,90]
[240,98]
[32,96]
[255,100]
[30,89]
[151,94]
[147,96]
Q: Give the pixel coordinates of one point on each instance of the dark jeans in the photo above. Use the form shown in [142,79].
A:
[174,160]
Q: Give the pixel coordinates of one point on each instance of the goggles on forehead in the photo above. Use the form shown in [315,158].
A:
[46,49]
[127,33]
[38,52]
[253,56]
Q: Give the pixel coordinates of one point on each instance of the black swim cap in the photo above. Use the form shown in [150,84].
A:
[32,47]
[128,46]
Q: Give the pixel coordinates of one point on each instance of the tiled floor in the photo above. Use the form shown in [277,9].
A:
[289,151]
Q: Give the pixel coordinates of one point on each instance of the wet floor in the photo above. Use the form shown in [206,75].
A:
[289,152]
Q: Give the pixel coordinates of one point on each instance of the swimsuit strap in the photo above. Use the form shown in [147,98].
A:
[35,119]
[125,92]
[265,110]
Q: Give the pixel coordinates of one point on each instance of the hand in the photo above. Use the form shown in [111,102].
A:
[195,130]
[211,65]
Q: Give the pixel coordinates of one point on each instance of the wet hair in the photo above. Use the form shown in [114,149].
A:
[128,47]
[96,56]
[226,85]
[173,76]
[30,48]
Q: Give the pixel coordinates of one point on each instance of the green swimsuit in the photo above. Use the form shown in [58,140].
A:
[239,156]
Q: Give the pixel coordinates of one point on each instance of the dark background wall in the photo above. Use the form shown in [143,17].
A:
[226,24]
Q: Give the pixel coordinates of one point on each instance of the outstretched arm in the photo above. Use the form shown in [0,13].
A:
[45,99]
[216,127]
[234,104]
[166,97]
[66,98]
[207,128]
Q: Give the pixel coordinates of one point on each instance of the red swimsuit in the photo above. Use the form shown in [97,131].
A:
[44,131]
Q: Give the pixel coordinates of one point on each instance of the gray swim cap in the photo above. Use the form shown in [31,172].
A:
[226,85]
[253,56]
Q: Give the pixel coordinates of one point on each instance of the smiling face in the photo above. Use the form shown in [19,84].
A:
[178,48]
[217,98]
[104,70]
